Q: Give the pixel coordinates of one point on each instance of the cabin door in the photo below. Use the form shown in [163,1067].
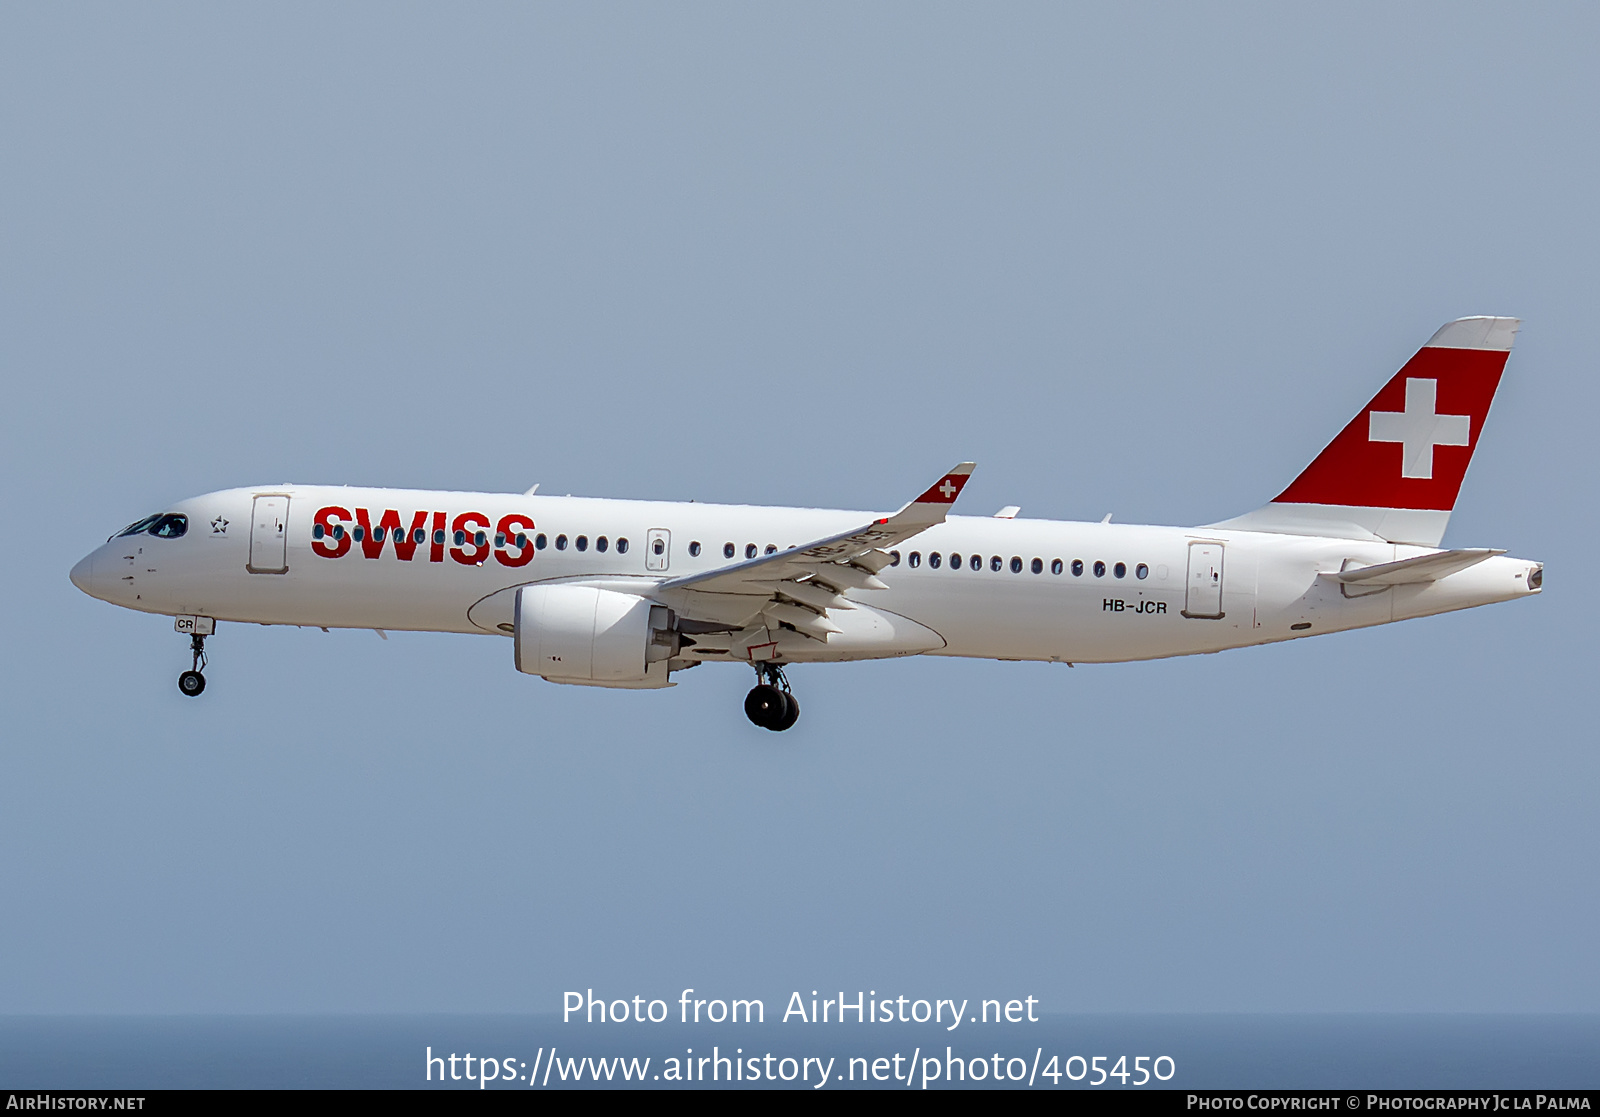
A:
[1204,598]
[269,536]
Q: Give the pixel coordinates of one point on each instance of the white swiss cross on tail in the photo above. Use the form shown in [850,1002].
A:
[1419,428]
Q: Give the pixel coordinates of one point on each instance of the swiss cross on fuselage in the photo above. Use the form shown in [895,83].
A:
[1419,428]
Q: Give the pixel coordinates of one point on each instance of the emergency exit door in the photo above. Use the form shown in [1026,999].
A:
[269,535]
[1204,597]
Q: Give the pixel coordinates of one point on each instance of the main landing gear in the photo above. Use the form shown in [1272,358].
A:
[770,704]
[192,682]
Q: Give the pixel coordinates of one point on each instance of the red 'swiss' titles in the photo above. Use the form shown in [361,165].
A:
[334,531]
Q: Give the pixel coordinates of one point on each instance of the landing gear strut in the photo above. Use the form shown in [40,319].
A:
[192,682]
[771,704]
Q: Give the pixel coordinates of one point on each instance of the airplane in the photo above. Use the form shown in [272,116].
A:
[629,594]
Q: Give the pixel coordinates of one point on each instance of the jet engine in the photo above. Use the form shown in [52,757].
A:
[593,637]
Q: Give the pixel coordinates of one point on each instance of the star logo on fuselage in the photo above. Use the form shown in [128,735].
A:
[219,526]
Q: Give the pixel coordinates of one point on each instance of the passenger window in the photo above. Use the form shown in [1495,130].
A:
[955,561]
[659,546]
[1077,568]
[601,544]
[894,558]
[582,542]
[976,562]
[1016,565]
[480,539]
[522,540]
[915,559]
[750,550]
[694,549]
[1120,570]
[561,542]
[772,548]
[622,546]
[377,535]
[935,559]
[360,533]
[1055,566]
[499,539]
[1141,572]
[539,540]
[318,531]
[420,536]
[996,564]
[1099,569]
[338,531]
[1037,566]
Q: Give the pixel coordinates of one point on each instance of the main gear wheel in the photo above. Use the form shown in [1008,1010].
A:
[770,703]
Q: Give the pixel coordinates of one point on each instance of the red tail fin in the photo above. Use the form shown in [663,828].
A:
[1394,472]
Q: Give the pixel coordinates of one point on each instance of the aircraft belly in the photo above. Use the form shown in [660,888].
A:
[865,633]
[1050,622]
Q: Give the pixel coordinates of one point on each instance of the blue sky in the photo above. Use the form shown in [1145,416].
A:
[1141,260]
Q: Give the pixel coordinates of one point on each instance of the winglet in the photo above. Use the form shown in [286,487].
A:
[932,505]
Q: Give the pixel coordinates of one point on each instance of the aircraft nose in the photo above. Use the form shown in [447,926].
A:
[83,574]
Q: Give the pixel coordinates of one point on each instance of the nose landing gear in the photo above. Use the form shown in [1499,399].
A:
[771,704]
[192,682]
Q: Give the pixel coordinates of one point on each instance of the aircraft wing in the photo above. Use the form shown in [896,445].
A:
[798,586]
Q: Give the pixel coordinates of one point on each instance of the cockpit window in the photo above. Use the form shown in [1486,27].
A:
[167,525]
[138,528]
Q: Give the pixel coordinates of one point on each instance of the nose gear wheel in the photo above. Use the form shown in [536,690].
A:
[193,681]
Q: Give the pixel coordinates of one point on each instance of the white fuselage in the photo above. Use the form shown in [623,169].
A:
[1256,587]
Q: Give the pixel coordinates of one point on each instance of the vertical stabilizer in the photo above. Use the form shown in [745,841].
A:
[1394,472]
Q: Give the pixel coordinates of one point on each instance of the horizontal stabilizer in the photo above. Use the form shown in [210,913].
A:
[1423,568]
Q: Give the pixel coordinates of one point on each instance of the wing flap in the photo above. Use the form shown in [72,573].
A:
[812,594]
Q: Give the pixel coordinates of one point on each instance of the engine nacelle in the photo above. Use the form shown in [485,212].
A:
[593,637]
